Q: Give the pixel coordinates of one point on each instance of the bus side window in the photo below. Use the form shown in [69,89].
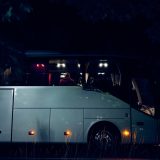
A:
[56,79]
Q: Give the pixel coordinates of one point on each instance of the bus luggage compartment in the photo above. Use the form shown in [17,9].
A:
[6,103]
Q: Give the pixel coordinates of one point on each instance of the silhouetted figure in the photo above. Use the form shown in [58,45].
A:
[7,76]
[67,81]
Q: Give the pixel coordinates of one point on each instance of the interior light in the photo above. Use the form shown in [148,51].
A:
[105,65]
[79,65]
[43,65]
[86,77]
[58,65]
[63,65]
[100,65]
[49,78]
[101,73]
[63,75]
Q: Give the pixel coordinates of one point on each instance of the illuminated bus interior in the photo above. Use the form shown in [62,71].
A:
[100,74]
[48,73]
[91,73]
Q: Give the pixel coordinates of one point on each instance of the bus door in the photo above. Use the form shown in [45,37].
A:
[144,121]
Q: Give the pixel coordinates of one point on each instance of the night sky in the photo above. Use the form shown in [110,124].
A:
[126,27]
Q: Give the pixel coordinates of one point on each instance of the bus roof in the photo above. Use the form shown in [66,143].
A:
[48,54]
[80,54]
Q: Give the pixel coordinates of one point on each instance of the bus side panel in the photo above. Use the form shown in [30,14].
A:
[143,128]
[107,113]
[66,119]
[6,101]
[48,97]
[119,117]
[31,121]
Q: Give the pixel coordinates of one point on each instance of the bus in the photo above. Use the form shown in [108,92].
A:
[100,108]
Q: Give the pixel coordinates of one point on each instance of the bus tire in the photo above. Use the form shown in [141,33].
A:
[103,137]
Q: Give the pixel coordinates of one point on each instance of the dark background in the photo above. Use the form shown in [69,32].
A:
[125,30]
[128,32]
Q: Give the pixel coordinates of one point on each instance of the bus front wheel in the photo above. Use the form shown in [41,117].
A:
[103,138]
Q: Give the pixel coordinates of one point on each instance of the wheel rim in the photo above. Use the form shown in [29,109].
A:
[103,139]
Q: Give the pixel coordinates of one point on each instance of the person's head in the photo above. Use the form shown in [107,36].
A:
[7,70]
[67,75]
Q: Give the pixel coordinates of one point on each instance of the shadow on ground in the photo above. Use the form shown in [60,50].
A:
[76,151]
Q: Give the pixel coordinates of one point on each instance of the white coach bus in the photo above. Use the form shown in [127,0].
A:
[45,111]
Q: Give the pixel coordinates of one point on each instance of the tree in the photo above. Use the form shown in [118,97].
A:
[14,10]
[11,65]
